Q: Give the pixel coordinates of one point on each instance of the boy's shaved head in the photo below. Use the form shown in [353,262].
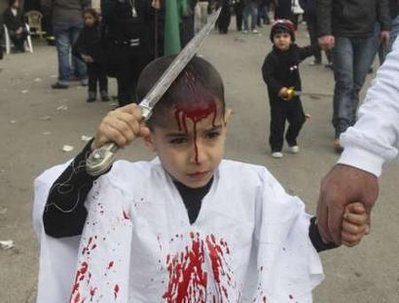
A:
[198,85]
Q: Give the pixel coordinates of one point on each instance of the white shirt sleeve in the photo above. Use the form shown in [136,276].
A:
[374,139]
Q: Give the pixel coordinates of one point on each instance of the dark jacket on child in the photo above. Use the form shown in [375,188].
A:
[280,69]
[89,43]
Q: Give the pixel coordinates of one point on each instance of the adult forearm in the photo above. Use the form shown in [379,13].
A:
[324,17]
[383,15]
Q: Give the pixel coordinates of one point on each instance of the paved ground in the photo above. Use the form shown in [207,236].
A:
[35,123]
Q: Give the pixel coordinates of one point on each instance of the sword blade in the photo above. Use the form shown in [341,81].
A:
[100,160]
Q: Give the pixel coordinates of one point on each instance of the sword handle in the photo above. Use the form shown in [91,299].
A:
[101,159]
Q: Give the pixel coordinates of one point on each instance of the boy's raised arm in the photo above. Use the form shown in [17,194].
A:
[65,213]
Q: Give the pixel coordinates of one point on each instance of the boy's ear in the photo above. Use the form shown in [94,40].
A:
[227,116]
[149,142]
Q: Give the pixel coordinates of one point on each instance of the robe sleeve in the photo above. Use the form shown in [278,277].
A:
[288,266]
[57,256]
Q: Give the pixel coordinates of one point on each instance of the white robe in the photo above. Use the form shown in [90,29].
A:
[249,243]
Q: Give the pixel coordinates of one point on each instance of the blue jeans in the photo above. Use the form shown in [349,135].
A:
[352,59]
[65,34]
[250,10]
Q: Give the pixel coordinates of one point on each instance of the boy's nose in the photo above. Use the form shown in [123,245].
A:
[197,154]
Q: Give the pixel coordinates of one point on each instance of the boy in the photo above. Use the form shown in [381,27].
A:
[185,227]
[89,49]
[280,73]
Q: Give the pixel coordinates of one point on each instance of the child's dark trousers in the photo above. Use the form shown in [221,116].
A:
[282,111]
[97,72]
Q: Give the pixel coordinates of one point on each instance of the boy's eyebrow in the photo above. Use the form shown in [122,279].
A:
[214,128]
[182,134]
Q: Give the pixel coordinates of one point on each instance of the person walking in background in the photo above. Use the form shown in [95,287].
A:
[238,11]
[67,22]
[13,18]
[129,41]
[310,15]
[281,75]
[89,48]
[223,21]
[282,10]
[347,27]
[297,12]
[250,11]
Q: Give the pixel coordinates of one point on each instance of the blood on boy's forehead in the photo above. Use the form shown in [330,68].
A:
[187,99]
[181,115]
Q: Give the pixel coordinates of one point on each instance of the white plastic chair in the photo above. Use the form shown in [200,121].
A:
[28,41]
[34,21]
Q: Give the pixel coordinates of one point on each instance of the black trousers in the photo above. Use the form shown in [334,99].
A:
[238,8]
[126,64]
[97,73]
[223,21]
[282,111]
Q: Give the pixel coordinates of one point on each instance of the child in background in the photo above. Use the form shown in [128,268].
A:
[88,47]
[187,226]
[281,74]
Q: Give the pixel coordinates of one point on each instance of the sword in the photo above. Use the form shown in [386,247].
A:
[101,159]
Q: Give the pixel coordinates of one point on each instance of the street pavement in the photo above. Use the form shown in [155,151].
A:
[36,122]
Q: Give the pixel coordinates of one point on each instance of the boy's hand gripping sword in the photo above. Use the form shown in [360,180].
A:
[100,160]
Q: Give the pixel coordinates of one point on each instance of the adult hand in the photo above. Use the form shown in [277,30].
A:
[384,38]
[327,42]
[341,186]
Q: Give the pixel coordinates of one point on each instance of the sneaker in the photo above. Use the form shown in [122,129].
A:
[293,149]
[277,155]
[255,31]
[245,31]
[337,146]
[58,85]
